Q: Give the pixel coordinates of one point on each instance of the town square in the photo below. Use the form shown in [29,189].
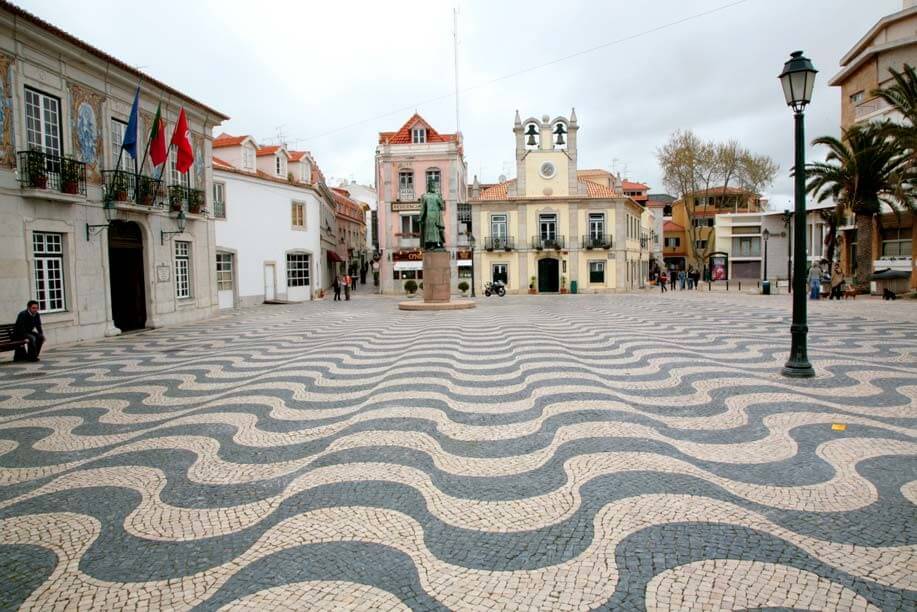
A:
[459,306]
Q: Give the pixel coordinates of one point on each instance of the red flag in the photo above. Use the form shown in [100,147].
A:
[158,153]
[181,139]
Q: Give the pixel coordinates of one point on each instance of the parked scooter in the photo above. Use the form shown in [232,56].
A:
[497,287]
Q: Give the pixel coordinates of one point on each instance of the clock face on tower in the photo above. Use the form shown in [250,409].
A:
[547,170]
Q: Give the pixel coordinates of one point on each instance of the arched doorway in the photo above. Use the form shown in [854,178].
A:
[125,266]
[548,275]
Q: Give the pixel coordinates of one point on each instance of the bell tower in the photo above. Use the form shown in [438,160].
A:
[546,156]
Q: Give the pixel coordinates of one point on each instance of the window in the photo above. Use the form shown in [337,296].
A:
[182,269]
[248,158]
[175,178]
[298,214]
[896,248]
[499,272]
[219,200]
[433,177]
[700,244]
[42,122]
[298,269]
[118,128]
[498,226]
[280,163]
[224,271]
[702,222]
[596,226]
[406,185]
[410,225]
[48,252]
[597,272]
[747,247]
[547,225]
[667,210]
[672,243]
[418,135]
[306,172]
[547,170]
[857,97]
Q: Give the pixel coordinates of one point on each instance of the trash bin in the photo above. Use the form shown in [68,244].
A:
[765,287]
[573,286]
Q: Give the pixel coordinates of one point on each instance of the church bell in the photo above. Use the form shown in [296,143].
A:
[530,132]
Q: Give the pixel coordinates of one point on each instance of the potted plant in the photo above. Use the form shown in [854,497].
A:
[195,202]
[70,176]
[532,288]
[175,198]
[411,288]
[119,186]
[563,284]
[463,287]
[146,191]
[35,169]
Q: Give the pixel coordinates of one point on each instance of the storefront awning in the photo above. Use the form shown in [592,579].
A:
[334,257]
[408,265]
[463,262]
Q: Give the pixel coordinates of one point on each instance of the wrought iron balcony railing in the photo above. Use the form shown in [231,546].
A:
[40,170]
[499,243]
[406,194]
[125,186]
[187,199]
[540,242]
[597,241]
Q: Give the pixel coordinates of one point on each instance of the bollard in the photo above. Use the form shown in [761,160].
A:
[727,284]
[709,286]
[740,285]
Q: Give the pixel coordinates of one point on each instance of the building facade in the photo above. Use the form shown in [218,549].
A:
[406,161]
[889,44]
[351,227]
[267,215]
[550,229]
[102,248]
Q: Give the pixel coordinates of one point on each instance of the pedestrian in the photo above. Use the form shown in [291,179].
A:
[837,282]
[682,276]
[815,281]
[363,272]
[690,276]
[696,276]
[347,281]
[673,278]
[336,285]
[353,280]
[662,280]
[28,328]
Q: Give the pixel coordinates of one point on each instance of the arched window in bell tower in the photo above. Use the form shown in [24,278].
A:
[532,136]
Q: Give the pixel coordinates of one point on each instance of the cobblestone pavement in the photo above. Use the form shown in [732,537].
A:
[553,452]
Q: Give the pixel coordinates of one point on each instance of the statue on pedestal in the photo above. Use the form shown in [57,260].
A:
[432,227]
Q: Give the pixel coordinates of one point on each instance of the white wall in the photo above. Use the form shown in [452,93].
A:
[258,229]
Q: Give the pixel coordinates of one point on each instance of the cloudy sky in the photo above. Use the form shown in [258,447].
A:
[328,76]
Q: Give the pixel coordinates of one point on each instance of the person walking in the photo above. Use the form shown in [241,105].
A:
[690,277]
[662,280]
[336,285]
[363,270]
[353,279]
[347,287]
[837,282]
[28,328]
[696,277]
[815,281]
[673,278]
[682,275]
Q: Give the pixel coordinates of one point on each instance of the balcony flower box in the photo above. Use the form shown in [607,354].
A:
[35,169]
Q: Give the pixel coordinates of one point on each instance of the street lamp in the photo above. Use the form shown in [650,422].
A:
[798,80]
[181,220]
[787,221]
[108,208]
[765,235]
[471,242]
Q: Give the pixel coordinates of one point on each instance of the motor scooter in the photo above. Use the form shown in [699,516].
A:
[497,287]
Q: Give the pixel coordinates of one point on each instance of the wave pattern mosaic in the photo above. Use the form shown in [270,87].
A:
[570,452]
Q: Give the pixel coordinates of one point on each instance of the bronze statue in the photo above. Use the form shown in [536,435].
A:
[432,228]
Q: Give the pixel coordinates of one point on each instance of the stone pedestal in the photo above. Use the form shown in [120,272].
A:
[436,277]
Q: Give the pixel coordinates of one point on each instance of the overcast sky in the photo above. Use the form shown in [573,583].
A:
[330,75]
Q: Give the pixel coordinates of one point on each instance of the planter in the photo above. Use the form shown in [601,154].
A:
[121,196]
[146,199]
[175,205]
[563,290]
[38,182]
[71,187]
[507,249]
[533,291]
[464,294]
[195,209]
[411,296]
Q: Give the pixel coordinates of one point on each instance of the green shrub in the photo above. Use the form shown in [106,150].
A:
[410,286]
[463,286]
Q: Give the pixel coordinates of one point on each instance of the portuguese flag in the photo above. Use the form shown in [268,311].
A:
[158,153]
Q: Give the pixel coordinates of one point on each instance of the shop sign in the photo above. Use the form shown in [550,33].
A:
[403,206]
[407,256]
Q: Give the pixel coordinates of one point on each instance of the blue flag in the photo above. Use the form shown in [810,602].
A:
[129,143]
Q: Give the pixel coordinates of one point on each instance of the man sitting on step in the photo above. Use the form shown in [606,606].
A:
[28,328]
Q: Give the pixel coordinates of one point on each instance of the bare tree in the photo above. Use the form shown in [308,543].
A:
[701,173]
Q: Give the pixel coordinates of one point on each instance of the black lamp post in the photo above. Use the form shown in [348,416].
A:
[108,208]
[798,80]
[471,242]
[765,235]
[787,221]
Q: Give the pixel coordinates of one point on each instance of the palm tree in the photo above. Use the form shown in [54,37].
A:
[832,218]
[901,95]
[860,173]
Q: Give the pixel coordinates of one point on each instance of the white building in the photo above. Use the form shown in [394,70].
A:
[145,260]
[269,213]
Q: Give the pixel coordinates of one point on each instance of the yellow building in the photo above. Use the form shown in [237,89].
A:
[550,229]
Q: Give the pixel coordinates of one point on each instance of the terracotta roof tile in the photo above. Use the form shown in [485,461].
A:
[270,150]
[403,135]
[226,140]
[296,155]
[219,164]
[630,186]
[596,190]
[669,226]
[497,192]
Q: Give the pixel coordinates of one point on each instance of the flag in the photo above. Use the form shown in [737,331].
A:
[158,153]
[181,139]
[129,142]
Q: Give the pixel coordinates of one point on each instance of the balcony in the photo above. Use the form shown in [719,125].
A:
[499,243]
[187,199]
[597,241]
[406,194]
[124,186]
[409,241]
[49,172]
[540,243]
[869,108]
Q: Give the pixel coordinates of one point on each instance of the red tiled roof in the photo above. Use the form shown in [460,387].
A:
[656,203]
[497,192]
[219,164]
[262,151]
[296,155]
[670,226]
[596,190]
[629,186]
[500,191]
[403,135]
[226,140]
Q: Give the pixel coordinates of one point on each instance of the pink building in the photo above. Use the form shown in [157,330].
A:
[406,160]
